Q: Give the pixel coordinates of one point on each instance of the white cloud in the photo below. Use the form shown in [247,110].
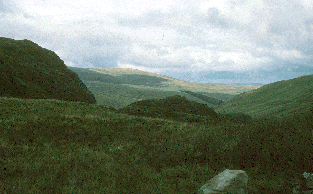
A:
[288,54]
[308,4]
[240,61]
[142,68]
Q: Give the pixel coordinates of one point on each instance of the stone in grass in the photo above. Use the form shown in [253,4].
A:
[309,180]
[228,181]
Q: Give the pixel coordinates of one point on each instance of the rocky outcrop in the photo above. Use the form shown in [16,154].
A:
[32,72]
[228,181]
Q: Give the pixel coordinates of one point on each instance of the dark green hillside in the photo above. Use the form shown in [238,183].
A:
[30,71]
[279,99]
[175,107]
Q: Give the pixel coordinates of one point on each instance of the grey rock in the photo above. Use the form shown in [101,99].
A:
[228,181]
[309,180]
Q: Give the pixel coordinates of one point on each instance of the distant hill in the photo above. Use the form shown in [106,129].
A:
[279,99]
[119,87]
[30,71]
[174,107]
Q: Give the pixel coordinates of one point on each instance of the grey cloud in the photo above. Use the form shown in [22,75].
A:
[302,69]
[279,28]
[290,24]
[238,2]
[107,41]
[222,77]
[210,31]
[101,61]
[17,30]
[4,8]
[153,18]
[97,51]
[287,71]
[307,47]
[256,77]
[309,24]
[190,33]
[98,41]
[216,19]
[9,6]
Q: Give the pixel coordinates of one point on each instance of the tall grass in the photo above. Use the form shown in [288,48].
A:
[52,146]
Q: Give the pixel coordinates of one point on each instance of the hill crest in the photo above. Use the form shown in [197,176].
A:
[30,71]
[200,87]
[278,99]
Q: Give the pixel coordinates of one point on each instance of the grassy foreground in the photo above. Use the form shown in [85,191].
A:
[52,146]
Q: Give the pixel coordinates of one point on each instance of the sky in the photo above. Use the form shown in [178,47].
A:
[222,41]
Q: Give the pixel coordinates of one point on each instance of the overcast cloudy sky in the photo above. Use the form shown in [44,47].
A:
[209,41]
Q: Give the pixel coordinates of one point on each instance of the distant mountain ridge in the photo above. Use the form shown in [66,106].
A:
[279,99]
[30,71]
[119,87]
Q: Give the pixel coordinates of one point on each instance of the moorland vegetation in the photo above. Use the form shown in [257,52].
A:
[53,146]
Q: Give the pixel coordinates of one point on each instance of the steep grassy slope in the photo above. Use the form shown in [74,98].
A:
[118,87]
[53,146]
[279,99]
[30,71]
[175,107]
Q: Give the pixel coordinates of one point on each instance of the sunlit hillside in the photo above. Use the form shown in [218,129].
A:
[118,87]
[279,99]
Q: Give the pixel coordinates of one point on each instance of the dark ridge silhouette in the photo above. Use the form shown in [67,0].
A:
[32,72]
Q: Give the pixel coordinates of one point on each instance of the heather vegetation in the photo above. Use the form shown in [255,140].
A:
[53,146]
